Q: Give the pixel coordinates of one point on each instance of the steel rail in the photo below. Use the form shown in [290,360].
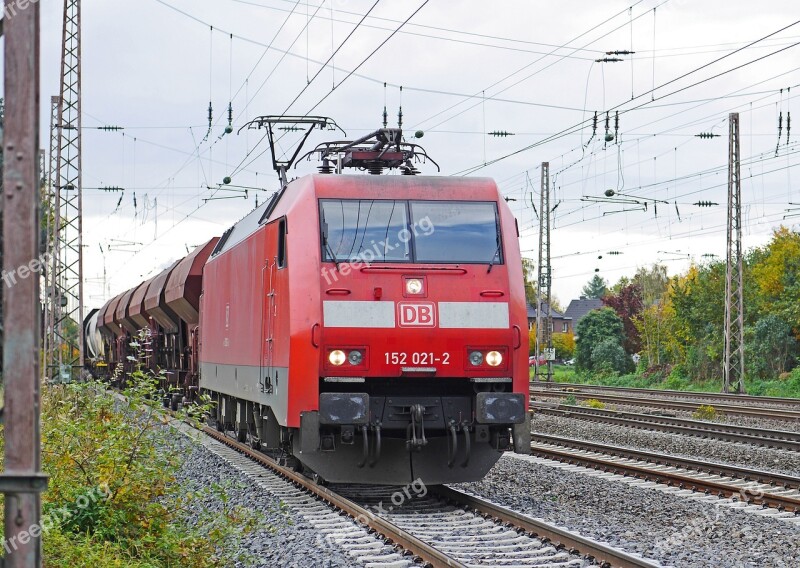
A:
[778,439]
[744,473]
[643,470]
[429,555]
[604,555]
[732,410]
[692,395]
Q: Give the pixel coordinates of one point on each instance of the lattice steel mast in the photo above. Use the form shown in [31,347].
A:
[51,221]
[544,319]
[68,285]
[733,364]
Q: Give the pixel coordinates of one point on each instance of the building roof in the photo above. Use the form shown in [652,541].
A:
[579,308]
[553,313]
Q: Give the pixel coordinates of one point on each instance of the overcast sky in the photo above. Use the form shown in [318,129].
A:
[467,68]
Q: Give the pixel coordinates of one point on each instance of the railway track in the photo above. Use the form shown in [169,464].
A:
[780,439]
[441,528]
[751,486]
[787,414]
[706,397]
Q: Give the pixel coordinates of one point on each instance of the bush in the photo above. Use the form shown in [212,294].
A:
[570,400]
[113,497]
[608,356]
[594,403]
[705,412]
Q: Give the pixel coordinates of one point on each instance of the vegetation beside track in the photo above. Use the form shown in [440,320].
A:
[114,496]
[786,387]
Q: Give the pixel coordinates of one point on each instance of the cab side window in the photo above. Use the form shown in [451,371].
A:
[282,243]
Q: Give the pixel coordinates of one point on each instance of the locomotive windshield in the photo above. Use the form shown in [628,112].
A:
[410,231]
[364,229]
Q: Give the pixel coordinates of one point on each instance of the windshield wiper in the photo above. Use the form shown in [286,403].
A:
[495,255]
[327,245]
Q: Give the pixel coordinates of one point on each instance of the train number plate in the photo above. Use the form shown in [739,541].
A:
[416,358]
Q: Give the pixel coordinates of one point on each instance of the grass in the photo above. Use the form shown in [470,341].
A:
[787,388]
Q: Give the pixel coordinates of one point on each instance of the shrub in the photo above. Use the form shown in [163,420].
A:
[112,471]
[608,356]
[594,403]
[705,412]
[570,400]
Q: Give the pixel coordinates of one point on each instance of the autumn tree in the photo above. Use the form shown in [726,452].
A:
[652,282]
[627,303]
[529,280]
[564,344]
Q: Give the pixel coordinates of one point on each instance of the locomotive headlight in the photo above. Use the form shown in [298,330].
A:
[476,358]
[414,286]
[494,358]
[337,357]
[355,357]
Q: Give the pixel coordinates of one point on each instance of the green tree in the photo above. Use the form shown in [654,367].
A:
[594,328]
[597,287]
[770,347]
[776,278]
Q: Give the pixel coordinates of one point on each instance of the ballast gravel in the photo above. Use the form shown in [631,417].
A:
[754,422]
[731,453]
[284,538]
[675,531]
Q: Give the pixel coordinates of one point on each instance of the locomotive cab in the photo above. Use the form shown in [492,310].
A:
[420,338]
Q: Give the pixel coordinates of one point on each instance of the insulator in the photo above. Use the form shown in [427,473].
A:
[326,167]
[614,253]
[620,52]
[500,133]
[788,125]
[706,203]
[608,60]
[110,128]
[707,135]
[375,169]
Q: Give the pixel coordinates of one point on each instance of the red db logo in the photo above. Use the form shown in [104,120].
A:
[417,315]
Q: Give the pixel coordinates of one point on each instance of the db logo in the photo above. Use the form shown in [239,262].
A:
[416,315]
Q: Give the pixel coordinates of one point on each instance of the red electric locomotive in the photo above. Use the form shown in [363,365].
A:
[371,328]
